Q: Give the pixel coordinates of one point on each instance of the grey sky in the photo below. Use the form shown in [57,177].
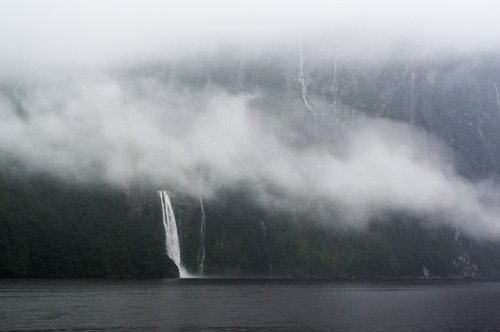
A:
[35,35]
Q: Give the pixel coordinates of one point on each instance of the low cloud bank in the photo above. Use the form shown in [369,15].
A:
[124,130]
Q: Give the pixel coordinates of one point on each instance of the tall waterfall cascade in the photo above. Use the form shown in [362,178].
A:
[201,252]
[171,235]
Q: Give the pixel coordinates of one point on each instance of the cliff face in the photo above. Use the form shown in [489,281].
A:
[455,101]
[310,94]
[51,228]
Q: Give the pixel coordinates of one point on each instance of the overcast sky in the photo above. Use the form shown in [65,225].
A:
[37,34]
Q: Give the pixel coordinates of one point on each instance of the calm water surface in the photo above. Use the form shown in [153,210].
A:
[247,305]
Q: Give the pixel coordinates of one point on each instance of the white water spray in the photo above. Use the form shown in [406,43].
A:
[171,236]
[201,252]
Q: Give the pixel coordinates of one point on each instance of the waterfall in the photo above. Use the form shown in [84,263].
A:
[201,252]
[302,82]
[171,236]
[498,96]
[266,247]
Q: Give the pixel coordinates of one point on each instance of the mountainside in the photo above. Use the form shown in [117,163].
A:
[245,240]
[454,101]
[49,228]
[307,166]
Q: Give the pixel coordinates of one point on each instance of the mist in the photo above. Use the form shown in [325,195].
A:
[73,102]
[93,35]
[122,131]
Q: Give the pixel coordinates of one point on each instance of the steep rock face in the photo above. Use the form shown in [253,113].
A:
[455,100]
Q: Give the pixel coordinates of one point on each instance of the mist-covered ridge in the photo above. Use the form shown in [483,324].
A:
[415,134]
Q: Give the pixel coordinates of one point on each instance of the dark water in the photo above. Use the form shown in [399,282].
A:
[247,305]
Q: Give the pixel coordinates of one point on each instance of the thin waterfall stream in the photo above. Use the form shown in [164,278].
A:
[201,252]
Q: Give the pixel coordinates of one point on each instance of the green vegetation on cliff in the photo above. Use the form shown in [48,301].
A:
[245,239]
[49,228]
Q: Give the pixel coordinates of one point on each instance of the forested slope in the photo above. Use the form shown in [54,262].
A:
[54,229]
[244,239]
[49,228]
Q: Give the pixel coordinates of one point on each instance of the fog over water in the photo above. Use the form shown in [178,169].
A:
[73,101]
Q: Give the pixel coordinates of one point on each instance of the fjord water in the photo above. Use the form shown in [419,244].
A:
[247,305]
